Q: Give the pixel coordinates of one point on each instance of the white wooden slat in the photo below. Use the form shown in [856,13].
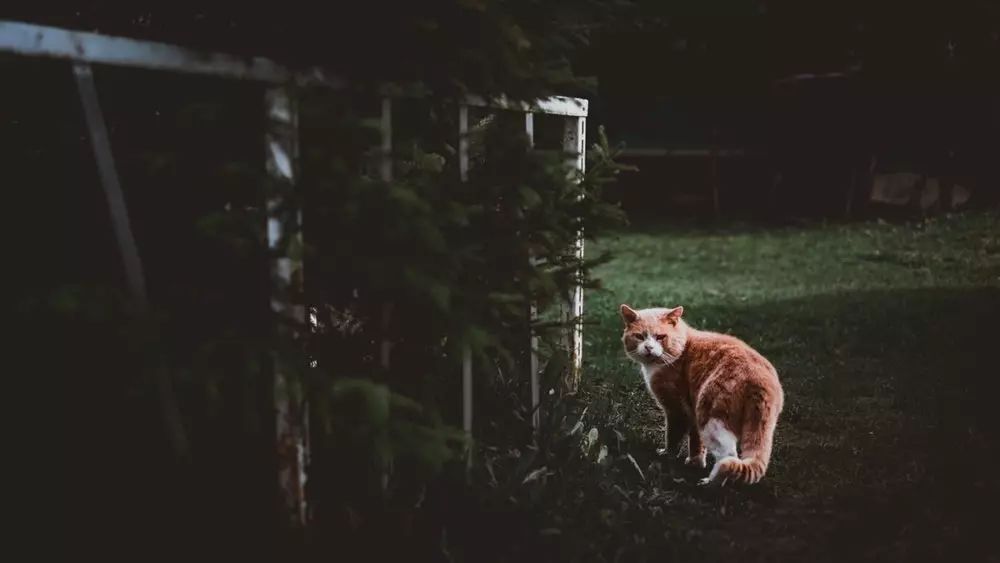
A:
[536,395]
[110,182]
[121,225]
[463,142]
[463,172]
[533,364]
[574,143]
[385,174]
[554,105]
[291,411]
[313,329]
[467,395]
[385,147]
[50,42]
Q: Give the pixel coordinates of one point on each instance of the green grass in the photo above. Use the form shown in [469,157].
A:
[884,338]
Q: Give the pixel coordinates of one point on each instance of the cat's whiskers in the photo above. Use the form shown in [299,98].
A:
[667,358]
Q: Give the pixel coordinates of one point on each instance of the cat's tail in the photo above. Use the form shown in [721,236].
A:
[760,417]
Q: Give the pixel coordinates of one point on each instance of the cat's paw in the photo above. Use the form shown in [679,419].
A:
[695,461]
[661,451]
[705,482]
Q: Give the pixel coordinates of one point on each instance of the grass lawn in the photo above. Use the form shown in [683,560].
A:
[885,339]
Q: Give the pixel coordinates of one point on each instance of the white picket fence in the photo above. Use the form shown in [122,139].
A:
[83,49]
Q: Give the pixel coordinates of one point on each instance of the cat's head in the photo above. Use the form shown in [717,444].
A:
[654,336]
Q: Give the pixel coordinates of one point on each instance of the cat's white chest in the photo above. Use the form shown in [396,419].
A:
[647,375]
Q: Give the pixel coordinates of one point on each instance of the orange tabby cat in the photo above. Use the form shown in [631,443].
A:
[715,388]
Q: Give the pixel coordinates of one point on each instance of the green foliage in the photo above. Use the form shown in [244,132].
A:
[366,423]
[426,262]
[432,264]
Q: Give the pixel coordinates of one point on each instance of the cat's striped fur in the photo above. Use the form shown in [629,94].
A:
[714,388]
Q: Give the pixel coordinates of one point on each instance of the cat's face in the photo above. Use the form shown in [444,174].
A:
[653,336]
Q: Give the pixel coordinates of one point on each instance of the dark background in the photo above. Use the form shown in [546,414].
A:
[918,88]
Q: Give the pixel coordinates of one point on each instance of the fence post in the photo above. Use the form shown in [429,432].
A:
[291,414]
[574,143]
[529,130]
[385,174]
[463,172]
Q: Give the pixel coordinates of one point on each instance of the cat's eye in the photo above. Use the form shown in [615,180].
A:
[637,335]
[661,336]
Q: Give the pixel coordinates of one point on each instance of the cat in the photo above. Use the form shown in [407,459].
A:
[712,387]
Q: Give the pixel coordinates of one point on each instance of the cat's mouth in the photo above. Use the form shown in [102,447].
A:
[648,357]
[662,359]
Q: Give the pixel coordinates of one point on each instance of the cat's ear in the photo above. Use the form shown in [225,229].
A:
[628,313]
[674,315]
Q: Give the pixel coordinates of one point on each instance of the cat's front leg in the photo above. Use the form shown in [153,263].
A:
[696,449]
